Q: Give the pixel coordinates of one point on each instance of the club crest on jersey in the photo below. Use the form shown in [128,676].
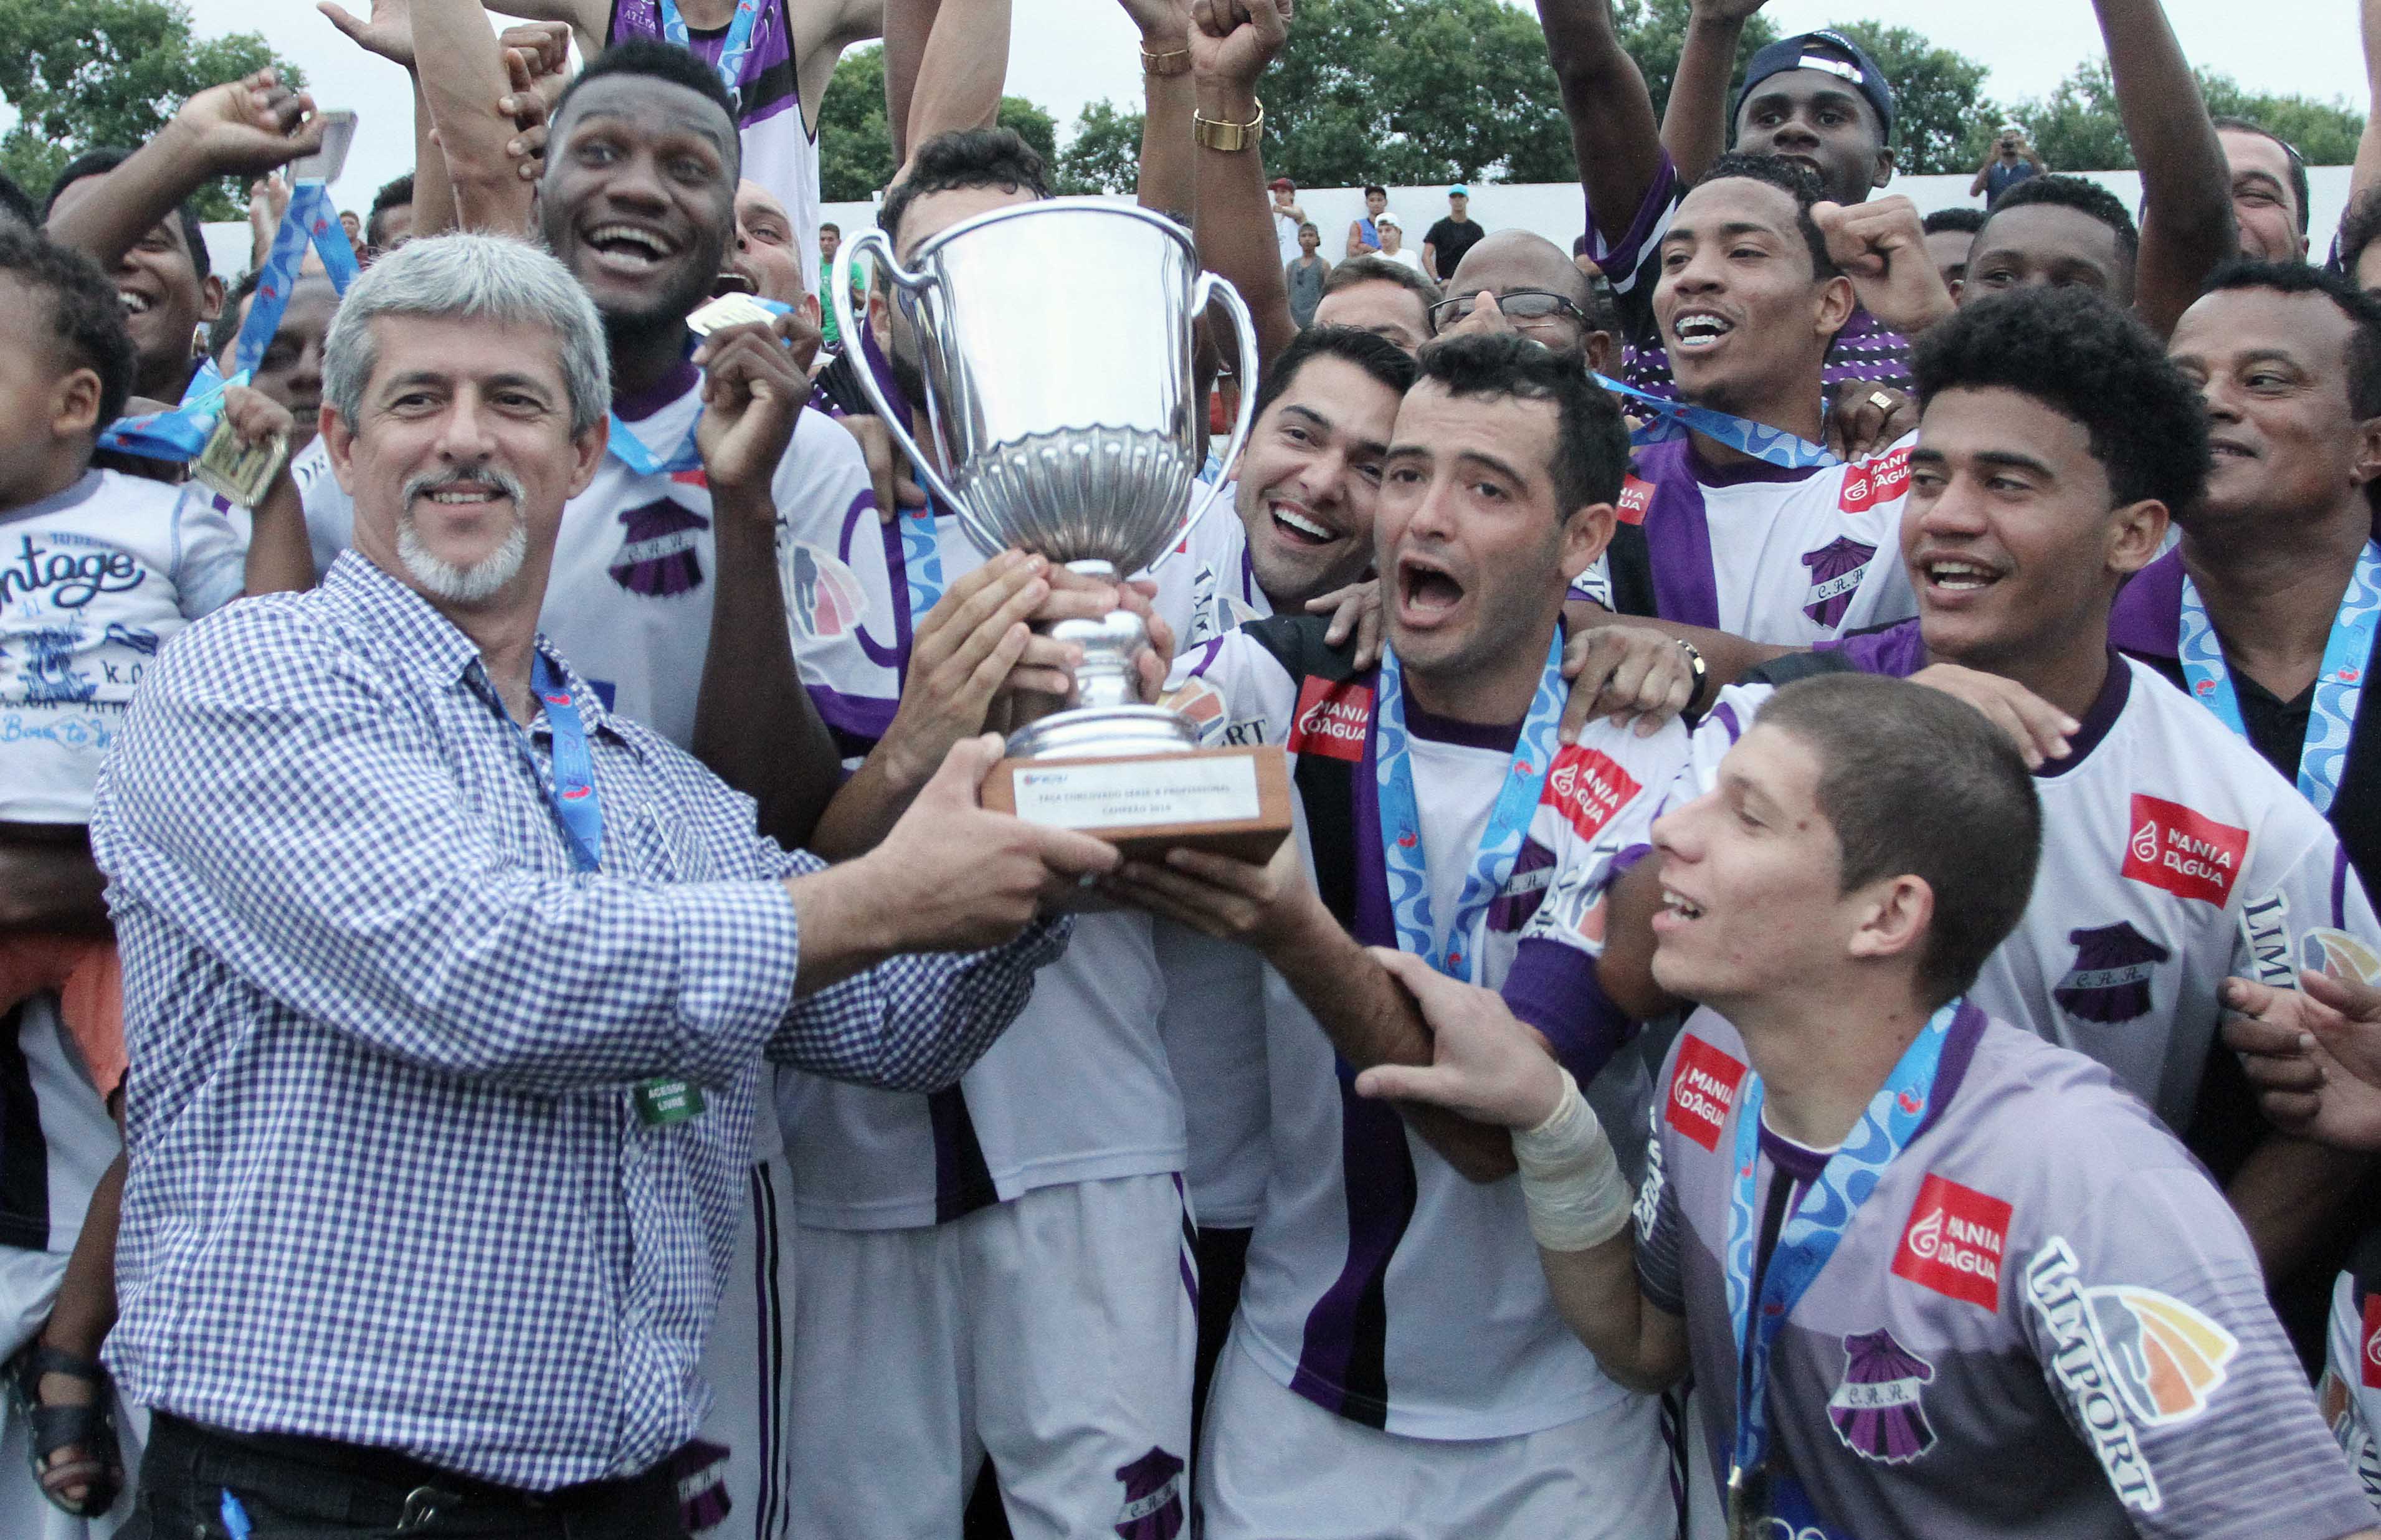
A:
[2187,854]
[1874,482]
[1877,1410]
[1836,569]
[700,1470]
[1331,719]
[1517,902]
[2266,927]
[2339,956]
[657,549]
[1152,1497]
[2110,981]
[1636,498]
[1952,1243]
[1702,1088]
[827,598]
[1588,788]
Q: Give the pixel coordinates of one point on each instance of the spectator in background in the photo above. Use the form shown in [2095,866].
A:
[2269,190]
[830,242]
[390,223]
[2012,160]
[1364,234]
[1393,244]
[1949,234]
[1287,217]
[1443,248]
[1387,299]
[1305,273]
[352,223]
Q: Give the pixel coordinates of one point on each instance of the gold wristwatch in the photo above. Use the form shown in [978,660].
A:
[1229,138]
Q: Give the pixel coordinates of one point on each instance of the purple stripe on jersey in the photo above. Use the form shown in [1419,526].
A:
[1207,653]
[2109,704]
[1677,539]
[637,404]
[1799,1164]
[1628,858]
[1621,259]
[1374,925]
[1186,1253]
[1896,652]
[861,715]
[1725,715]
[2147,618]
[1959,1042]
[2340,888]
[962,1181]
[771,53]
[1554,988]
[1425,723]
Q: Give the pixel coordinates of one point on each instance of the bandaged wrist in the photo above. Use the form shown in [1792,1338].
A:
[1571,1179]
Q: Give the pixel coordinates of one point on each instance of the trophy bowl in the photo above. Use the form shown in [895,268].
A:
[1054,340]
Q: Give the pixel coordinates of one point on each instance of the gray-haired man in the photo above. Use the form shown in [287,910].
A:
[446,990]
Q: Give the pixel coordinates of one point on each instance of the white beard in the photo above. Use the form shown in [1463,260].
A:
[462,585]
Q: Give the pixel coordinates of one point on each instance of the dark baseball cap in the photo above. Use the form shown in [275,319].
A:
[1831,52]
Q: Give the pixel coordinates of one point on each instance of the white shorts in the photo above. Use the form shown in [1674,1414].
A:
[1276,1466]
[29,1286]
[735,1489]
[1053,1332]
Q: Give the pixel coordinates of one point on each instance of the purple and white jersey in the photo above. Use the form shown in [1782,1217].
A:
[780,152]
[629,598]
[1632,260]
[2350,1395]
[1381,1284]
[1788,557]
[2044,1320]
[2171,860]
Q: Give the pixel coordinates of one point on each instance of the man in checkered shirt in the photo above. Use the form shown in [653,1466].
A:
[441,1088]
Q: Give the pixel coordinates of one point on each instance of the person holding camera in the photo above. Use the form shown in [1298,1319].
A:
[2013,160]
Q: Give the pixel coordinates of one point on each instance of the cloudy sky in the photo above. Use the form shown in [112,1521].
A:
[1066,53]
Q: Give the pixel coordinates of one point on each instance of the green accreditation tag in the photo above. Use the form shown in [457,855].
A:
[661,1103]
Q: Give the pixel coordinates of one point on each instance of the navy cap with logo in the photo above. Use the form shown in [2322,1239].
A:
[1831,52]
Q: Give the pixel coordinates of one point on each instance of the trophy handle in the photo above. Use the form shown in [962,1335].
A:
[889,271]
[1213,287]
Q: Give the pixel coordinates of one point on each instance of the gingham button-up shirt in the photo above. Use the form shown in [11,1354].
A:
[389,1183]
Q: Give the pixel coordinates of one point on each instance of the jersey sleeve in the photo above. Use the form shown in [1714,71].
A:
[2147,1314]
[2303,905]
[1659,1275]
[1625,251]
[210,558]
[2350,1395]
[1234,691]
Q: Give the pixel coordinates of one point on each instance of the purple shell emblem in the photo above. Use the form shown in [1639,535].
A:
[657,549]
[1836,569]
[1533,872]
[1877,1410]
[1152,1497]
[2110,981]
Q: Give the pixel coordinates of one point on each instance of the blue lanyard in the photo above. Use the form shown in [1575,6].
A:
[1516,800]
[922,559]
[630,450]
[1666,420]
[1808,1238]
[2332,720]
[576,806]
[177,436]
[309,221]
[732,51]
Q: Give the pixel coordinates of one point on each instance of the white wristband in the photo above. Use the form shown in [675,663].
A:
[1571,1179]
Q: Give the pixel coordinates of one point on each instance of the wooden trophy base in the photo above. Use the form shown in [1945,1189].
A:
[1233,802]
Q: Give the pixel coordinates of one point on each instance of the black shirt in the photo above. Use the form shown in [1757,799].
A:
[1448,239]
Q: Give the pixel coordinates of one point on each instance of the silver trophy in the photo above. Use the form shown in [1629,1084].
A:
[1056,340]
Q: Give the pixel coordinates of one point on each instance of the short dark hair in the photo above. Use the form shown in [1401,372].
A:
[964,158]
[826,224]
[98,163]
[1591,451]
[394,194]
[2289,150]
[2084,195]
[2075,352]
[85,315]
[19,204]
[2363,312]
[2358,227]
[1917,782]
[1368,268]
[1962,219]
[1377,357]
[1797,182]
[656,60]
[1371,189]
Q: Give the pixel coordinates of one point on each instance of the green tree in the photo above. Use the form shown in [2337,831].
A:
[1654,32]
[111,72]
[2078,128]
[856,148]
[1105,153]
[1939,110]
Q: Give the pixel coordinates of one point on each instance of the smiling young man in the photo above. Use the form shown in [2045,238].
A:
[1397,1366]
[2054,440]
[2269,182]
[1932,1277]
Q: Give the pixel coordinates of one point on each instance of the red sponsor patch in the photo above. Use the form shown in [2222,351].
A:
[1589,787]
[1331,719]
[1953,1242]
[1874,480]
[2368,1360]
[1702,1087]
[1636,497]
[696,477]
[2189,855]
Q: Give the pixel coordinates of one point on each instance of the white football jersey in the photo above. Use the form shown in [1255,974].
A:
[93,580]
[2349,1393]
[1381,1284]
[2173,856]
[1788,558]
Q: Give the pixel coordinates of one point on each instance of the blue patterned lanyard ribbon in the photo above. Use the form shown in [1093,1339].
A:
[731,51]
[1508,821]
[2332,719]
[177,436]
[1807,1239]
[576,807]
[1664,419]
[922,559]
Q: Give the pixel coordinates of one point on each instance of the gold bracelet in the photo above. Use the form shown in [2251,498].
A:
[1174,61]
[1229,138]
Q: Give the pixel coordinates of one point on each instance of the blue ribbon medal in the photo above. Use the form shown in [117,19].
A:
[1666,420]
[2332,719]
